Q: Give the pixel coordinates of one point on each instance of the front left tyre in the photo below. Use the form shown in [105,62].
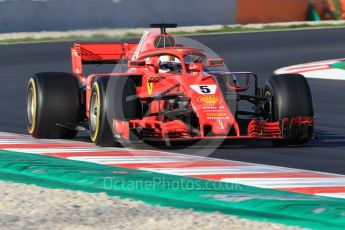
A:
[111,99]
[53,104]
[291,98]
[99,126]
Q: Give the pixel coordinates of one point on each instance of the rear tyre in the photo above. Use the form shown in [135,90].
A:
[53,99]
[99,126]
[291,97]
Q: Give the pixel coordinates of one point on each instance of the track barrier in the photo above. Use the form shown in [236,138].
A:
[342,2]
[266,11]
[312,14]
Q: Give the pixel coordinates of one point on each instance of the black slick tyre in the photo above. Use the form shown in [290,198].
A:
[124,104]
[53,99]
[291,98]
[99,125]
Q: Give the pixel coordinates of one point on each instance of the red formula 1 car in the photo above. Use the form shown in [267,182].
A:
[168,92]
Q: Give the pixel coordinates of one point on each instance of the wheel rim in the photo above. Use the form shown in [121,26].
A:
[31,106]
[94,112]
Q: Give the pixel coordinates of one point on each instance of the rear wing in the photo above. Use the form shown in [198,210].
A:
[99,54]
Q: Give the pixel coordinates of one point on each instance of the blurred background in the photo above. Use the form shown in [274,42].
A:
[62,15]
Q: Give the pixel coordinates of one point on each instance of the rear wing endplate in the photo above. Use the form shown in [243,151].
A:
[99,54]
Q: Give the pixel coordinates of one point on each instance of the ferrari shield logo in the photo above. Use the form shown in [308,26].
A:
[149,86]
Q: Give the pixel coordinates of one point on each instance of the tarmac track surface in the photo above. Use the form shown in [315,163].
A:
[258,52]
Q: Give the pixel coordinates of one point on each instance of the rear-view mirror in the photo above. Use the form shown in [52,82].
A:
[136,64]
[214,62]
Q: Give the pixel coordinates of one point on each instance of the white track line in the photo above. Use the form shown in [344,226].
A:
[111,160]
[288,182]
[333,195]
[71,150]
[252,169]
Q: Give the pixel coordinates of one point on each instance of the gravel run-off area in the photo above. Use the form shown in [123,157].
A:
[31,207]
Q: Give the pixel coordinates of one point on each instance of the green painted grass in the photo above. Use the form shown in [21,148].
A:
[339,65]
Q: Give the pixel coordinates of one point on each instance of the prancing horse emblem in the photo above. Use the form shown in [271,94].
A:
[150,86]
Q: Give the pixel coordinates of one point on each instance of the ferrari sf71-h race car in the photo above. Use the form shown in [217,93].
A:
[167,92]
